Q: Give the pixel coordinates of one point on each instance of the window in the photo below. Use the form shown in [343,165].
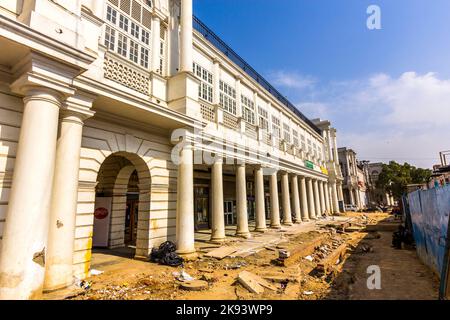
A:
[111,15]
[205,90]
[263,118]
[286,133]
[162,45]
[135,30]
[122,45]
[123,23]
[295,138]
[309,146]
[227,97]
[110,38]
[134,51]
[144,57]
[248,110]
[127,36]
[276,127]
[302,138]
[145,37]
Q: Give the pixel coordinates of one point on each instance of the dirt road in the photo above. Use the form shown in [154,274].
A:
[402,275]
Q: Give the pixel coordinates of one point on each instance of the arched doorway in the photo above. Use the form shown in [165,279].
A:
[122,205]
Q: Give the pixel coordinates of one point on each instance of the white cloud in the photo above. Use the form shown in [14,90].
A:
[383,117]
[291,80]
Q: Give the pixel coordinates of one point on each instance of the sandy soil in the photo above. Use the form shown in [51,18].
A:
[403,275]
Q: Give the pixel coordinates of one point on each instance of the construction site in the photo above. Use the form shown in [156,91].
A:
[328,259]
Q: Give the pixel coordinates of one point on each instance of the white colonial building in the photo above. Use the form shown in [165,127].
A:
[130,122]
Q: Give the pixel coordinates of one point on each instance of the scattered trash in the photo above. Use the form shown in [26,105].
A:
[309,258]
[308,293]
[83,284]
[95,272]
[283,254]
[183,276]
[166,255]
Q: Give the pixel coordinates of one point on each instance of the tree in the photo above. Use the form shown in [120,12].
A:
[395,177]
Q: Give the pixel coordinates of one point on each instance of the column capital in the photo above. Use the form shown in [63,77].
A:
[78,107]
[36,70]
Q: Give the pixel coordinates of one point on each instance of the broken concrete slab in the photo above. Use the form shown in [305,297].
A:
[221,252]
[195,285]
[301,251]
[332,259]
[250,282]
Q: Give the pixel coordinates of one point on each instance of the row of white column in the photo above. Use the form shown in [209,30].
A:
[38,236]
[302,199]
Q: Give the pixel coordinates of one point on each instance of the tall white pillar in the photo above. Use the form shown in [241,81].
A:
[23,251]
[217,216]
[317,198]
[287,214]
[358,199]
[186,36]
[260,205]
[323,208]
[330,195]
[185,203]
[241,203]
[296,199]
[326,191]
[274,205]
[304,199]
[334,197]
[156,43]
[311,202]
[61,235]
[352,196]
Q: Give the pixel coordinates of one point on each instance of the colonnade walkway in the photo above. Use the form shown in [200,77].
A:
[258,241]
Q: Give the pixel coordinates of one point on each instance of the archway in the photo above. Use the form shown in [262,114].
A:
[122,205]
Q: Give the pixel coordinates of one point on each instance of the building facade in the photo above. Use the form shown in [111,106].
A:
[354,179]
[379,196]
[130,122]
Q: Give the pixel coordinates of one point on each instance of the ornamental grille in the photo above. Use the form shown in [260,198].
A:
[250,131]
[208,112]
[230,121]
[125,75]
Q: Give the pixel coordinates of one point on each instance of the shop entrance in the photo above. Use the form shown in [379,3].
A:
[201,207]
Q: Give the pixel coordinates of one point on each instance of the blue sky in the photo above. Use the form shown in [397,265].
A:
[384,90]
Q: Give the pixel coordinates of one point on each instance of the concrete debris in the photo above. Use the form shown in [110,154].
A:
[254,283]
[95,272]
[194,285]
[309,258]
[308,293]
[183,276]
[221,253]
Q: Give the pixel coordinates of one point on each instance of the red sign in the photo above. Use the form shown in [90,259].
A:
[101,213]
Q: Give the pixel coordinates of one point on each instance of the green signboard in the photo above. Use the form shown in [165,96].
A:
[309,164]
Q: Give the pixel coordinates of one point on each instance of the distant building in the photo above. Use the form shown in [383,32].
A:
[440,176]
[355,182]
[378,196]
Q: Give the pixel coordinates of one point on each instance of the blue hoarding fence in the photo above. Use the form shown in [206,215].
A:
[430,220]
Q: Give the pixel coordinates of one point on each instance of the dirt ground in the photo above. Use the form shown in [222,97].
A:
[403,276]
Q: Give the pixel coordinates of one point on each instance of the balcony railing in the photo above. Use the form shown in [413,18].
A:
[214,39]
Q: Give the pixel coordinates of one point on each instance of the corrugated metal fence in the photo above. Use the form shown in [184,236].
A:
[430,219]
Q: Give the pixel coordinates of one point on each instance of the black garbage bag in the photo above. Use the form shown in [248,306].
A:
[172,259]
[166,255]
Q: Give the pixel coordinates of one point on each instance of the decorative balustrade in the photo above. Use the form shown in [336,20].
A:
[120,71]
[250,131]
[230,121]
[208,112]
